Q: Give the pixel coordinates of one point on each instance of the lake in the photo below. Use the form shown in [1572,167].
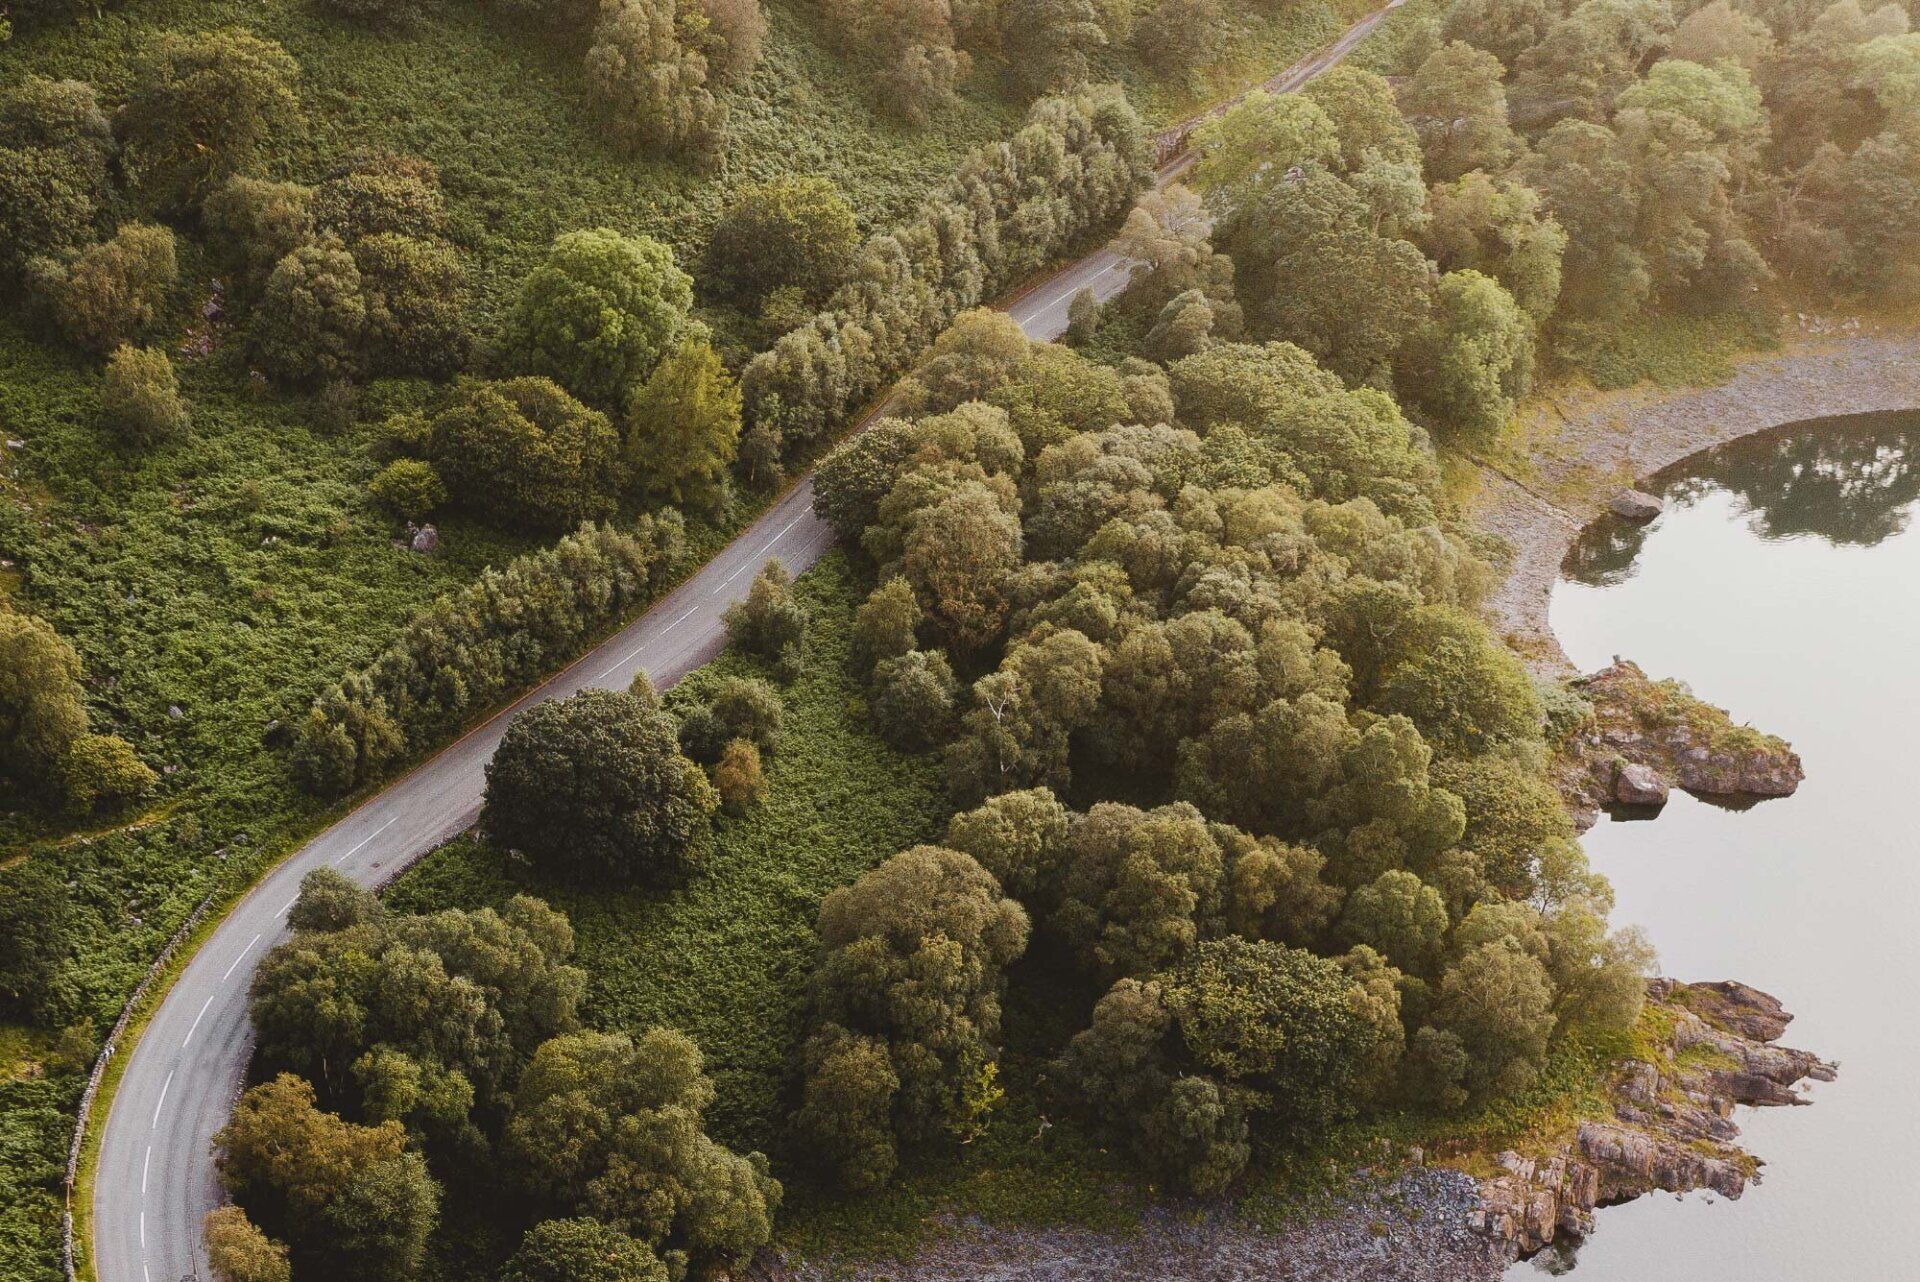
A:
[1781,583]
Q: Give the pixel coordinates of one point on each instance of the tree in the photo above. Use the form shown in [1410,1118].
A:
[1586,59]
[312,316]
[46,209]
[683,428]
[648,87]
[595,786]
[1456,103]
[613,1126]
[735,31]
[139,399]
[1500,228]
[795,231]
[101,771]
[1260,142]
[1047,42]
[289,1160]
[256,222]
[1498,1001]
[884,626]
[382,195]
[111,292]
[525,453]
[239,1252]
[42,706]
[1399,915]
[1588,182]
[958,554]
[377,1226]
[1472,362]
[1504,28]
[328,901]
[1365,117]
[912,697]
[416,301]
[582,1251]
[978,352]
[1313,271]
[1140,889]
[599,314]
[905,1009]
[34,934]
[1179,37]
[1019,837]
[1718,32]
[736,776]
[409,487]
[772,620]
[1464,690]
[200,109]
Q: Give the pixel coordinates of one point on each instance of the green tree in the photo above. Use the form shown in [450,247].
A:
[598,314]
[312,315]
[912,697]
[905,1009]
[794,231]
[613,1126]
[1257,144]
[1019,837]
[683,428]
[140,401]
[1500,228]
[1464,690]
[1498,1001]
[1047,42]
[771,621]
[1399,915]
[647,85]
[1458,106]
[255,222]
[46,206]
[582,1251]
[1139,889]
[1365,117]
[1313,271]
[416,302]
[112,292]
[42,706]
[288,1161]
[1472,362]
[384,194]
[884,626]
[595,787]
[200,109]
[958,554]
[525,453]
[101,771]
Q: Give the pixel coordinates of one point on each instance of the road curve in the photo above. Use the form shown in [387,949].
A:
[155,1181]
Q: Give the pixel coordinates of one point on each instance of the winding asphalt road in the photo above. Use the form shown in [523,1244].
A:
[155,1181]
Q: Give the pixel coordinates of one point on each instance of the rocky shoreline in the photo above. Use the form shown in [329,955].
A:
[1586,455]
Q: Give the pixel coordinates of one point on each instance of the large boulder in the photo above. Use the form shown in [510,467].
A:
[1636,505]
[1635,784]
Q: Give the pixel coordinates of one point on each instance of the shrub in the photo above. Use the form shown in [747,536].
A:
[256,223]
[200,108]
[683,427]
[595,787]
[112,291]
[101,771]
[139,400]
[409,487]
[468,649]
[525,453]
[907,994]
[311,319]
[795,231]
[771,621]
[648,88]
[42,708]
[1077,164]
[416,297]
[46,208]
[598,315]
[737,778]
[582,1251]
[382,195]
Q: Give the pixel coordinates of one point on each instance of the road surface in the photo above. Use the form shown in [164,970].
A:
[155,1180]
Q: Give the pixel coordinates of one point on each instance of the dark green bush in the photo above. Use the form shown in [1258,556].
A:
[526,454]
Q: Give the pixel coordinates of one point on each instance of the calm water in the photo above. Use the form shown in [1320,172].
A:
[1781,584]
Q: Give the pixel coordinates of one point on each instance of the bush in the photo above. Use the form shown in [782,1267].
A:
[737,778]
[409,487]
[912,699]
[200,108]
[256,223]
[525,453]
[139,399]
[1076,165]
[416,301]
[595,787]
[468,649]
[311,319]
[102,771]
[46,206]
[796,231]
[42,706]
[599,314]
[771,622]
[648,88]
[382,195]
[112,291]
[582,1251]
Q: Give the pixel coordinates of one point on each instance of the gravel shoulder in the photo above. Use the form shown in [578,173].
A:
[1580,451]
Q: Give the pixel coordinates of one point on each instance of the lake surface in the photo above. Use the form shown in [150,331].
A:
[1782,583]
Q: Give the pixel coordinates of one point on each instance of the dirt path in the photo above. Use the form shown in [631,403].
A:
[1581,454]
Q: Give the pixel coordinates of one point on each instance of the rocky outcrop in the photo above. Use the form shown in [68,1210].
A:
[1635,505]
[1647,735]
[1672,1128]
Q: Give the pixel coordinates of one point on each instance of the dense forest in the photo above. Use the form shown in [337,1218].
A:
[1187,809]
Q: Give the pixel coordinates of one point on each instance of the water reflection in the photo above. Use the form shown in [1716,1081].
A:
[1780,584]
[1851,484]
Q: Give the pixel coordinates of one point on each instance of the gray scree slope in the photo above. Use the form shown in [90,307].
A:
[155,1181]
